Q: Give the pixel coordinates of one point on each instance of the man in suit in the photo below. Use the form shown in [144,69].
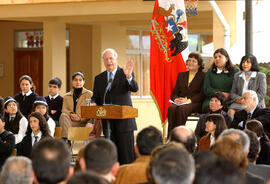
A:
[251,111]
[123,82]
[100,158]
[254,150]
[186,136]
[147,140]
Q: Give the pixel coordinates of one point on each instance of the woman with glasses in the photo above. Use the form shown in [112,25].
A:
[249,78]
[187,95]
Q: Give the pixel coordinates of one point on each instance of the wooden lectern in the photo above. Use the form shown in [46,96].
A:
[108,112]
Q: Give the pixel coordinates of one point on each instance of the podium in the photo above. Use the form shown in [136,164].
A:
[108,112]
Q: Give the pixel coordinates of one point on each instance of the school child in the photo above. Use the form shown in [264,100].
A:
[54,99]
[27,96]
[40,105]
[15,122]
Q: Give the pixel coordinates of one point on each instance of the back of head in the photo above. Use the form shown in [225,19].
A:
[218,171]
[184,135]
[173,166]
[51,160]
[255,126]
[17,170]
[148,139]
[203,157]
[100,156]
[231,150]
[254,146]
[86,178]
[239,136]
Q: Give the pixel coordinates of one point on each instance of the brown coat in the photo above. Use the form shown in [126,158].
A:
[133,173]
[204,143]
[177,115]
[194,91]
[68,102]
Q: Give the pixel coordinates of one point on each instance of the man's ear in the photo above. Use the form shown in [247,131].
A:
[136,150]
[34,177]
[115,168]
[82,164]
[70,172]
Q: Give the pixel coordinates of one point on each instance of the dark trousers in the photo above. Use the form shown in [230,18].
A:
[177,115]
[124,142]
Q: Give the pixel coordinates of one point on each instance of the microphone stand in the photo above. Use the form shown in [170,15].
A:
[108,134]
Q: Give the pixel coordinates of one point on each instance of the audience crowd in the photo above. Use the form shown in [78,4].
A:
[230,143]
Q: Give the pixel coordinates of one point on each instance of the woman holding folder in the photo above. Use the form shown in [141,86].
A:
[187,95]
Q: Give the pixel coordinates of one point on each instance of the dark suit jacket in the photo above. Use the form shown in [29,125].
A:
[252,178]
[260,170]
[194,91]
[7,143]
[264,155]
[119,94]
[25,147]
[262,115]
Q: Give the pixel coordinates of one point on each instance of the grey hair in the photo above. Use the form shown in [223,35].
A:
[173,166]
[253,94]
[110,50]
[243,137]
[17,170]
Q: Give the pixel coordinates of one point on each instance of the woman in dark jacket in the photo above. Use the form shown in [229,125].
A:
[37,129]
[187,95]
[217,105]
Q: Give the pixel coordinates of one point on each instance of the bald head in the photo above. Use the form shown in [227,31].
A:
[184,135]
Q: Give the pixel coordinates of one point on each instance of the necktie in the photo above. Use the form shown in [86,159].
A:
[36,139]
[248,116]
[11,118]
[110,79]
[24,97]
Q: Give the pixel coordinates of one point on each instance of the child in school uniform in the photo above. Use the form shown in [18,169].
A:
[41,106]
[36,131]
[54,99]
[15,122]
[27,96]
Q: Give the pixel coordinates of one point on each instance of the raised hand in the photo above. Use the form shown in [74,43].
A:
[129,68]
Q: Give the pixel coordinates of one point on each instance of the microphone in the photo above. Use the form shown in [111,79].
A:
[106,90]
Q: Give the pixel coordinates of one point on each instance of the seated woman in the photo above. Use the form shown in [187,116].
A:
[187,93]
[257,127]
[219,77]
[249,78]
[217,105]
[214,125]
[41,106]
[15,121]
[38,129]
[73,100]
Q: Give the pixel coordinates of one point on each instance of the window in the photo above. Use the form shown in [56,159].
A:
[138,49]
[202,43]
[32,39]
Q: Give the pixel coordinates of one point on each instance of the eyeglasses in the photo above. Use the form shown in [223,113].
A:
[192,60]
[245,97]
